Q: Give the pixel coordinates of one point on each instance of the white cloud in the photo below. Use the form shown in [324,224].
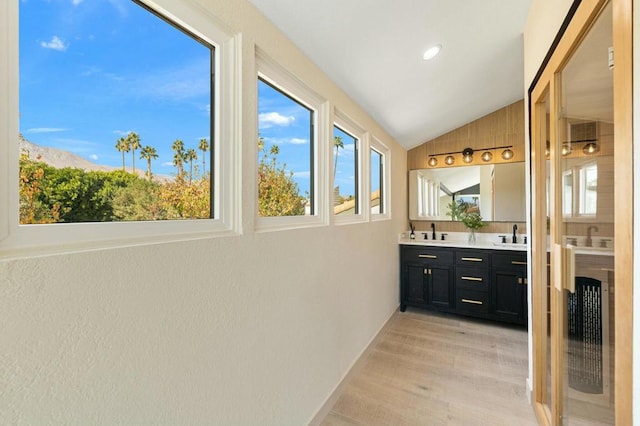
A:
[56,43]
[76,2]
[122,132]
[94,157]
[167,163]
[304,174]
[298,141]
[269,119]
[44,130]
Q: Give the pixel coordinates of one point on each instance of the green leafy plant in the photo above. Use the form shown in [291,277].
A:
[457,209]
[472,220]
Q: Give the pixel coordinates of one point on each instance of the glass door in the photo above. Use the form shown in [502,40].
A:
[582,247]
[583,231]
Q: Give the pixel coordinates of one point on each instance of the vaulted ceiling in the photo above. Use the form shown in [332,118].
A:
[373,50]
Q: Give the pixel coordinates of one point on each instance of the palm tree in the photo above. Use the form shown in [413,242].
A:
[122,145]
[148,153]
[337,143]
[204,147]
[134,143]
[178,156]
[191,155]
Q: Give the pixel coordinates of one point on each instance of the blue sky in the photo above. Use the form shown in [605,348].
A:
[93,70]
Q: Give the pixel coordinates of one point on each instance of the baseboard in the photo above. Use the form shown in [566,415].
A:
[351,371]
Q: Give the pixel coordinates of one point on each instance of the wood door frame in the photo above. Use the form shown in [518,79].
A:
[582,14]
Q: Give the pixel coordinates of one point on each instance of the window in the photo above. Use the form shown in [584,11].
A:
[115,125]
[379,183]
[285,153]
[588,190]
[345,173]
[349,144]
[580,191]
[291,183]
[118,122]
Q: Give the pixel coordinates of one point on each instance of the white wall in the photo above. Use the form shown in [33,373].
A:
[245,330]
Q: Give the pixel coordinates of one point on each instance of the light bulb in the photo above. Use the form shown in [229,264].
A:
[449,160]
[433,161]
[507,154]
[486,156]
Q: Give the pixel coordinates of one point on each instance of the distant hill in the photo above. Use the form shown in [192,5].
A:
[60,158]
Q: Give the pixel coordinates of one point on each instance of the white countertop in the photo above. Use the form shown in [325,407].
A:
[488,242]
[460,240]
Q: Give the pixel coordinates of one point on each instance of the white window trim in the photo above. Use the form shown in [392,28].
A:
[381,148]
[345,123]
[20,240]
[273,73]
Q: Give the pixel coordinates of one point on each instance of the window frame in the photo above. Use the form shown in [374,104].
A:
[348,125]
[376,145]
[225,143]
[278,77]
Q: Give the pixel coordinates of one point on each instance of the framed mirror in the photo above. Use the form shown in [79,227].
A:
[496,191]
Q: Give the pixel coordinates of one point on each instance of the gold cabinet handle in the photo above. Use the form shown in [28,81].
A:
[522,281]
[473,302]
[427,271]
[471,278]
[427,256]
[519,280]
[472,259]
[517,262]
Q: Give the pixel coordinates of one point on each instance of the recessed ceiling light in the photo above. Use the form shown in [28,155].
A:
[431,52]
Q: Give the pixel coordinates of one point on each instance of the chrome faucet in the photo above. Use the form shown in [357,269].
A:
[433,231]
[589,242]
[514,239]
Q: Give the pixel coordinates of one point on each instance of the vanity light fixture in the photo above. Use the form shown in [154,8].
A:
[467,155]
[432,52]
[507,154]
[590,148]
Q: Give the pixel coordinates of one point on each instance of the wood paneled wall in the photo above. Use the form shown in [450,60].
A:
[500,128]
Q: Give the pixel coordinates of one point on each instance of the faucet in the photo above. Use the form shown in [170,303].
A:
[433,231]
[514,239]
[589,242]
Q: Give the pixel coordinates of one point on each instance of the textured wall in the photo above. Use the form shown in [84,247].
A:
[245,330]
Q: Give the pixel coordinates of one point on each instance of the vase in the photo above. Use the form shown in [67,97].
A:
[472,236]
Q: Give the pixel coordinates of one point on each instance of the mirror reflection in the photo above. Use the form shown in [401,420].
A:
[496,191]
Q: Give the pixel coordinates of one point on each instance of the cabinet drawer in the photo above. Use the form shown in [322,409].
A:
[472,302]
[512,260]
[477,259]
[476,279]
[427,254]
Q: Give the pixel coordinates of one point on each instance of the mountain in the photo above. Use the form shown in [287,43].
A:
[60,158]
[57,157]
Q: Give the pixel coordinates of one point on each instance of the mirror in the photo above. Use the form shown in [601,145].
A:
[496,191]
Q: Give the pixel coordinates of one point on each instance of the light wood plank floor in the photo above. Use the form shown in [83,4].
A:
[432,369]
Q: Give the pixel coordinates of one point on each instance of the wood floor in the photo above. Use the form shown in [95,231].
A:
[430,369]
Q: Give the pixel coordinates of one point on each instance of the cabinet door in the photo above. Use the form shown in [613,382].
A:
[507,297]
[440,286]
[414,291]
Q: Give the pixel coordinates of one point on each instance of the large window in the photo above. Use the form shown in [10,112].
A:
[115,115]
[291,181]
[117,119]
[285,153]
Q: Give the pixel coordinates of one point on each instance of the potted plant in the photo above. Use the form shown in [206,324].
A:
[473,222]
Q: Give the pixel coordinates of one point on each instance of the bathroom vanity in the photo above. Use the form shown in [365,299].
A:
[484,281]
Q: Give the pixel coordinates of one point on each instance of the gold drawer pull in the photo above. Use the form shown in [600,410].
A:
[517,262]
[428,256]
[473,302]
[522,281]
[472,259]
[471,278]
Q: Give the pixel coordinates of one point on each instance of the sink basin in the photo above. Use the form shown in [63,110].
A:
[512,245]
